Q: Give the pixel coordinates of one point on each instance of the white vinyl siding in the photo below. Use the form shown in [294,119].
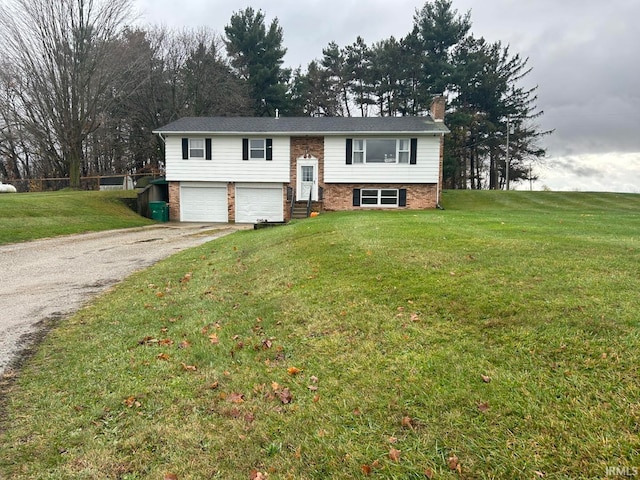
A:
[257,202]
[426,169]
[203,202]
[226,164]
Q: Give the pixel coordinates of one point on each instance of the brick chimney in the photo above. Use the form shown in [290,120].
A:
[437,108]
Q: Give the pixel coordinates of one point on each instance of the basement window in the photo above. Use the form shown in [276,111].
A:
[384,197]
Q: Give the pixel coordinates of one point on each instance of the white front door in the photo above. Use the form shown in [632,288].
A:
[307,179]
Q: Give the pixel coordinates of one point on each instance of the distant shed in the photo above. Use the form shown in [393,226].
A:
[121,182]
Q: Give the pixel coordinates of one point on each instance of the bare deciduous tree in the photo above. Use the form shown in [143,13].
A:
[65,68]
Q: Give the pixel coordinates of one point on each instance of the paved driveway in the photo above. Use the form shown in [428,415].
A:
[53,278]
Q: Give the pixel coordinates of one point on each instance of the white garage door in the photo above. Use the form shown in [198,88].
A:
[255,202]
[203,203]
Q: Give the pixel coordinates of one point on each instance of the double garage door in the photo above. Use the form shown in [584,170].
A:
[207,202]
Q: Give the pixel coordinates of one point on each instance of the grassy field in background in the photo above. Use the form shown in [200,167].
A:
[498,338]
[28,216]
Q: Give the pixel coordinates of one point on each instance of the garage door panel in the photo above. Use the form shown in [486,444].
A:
[254,204]
[204,204]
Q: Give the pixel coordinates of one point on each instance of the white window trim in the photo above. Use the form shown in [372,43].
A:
[396,161]
[194,149]
[263,149]
[379,203]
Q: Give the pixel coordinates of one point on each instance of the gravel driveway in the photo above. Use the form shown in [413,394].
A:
[52,278]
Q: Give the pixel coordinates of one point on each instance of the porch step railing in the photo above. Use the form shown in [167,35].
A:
[302,208]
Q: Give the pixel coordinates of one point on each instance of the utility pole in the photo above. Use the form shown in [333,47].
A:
[507,161]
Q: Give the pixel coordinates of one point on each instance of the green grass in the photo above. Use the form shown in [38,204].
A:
[27,216]
[392,317]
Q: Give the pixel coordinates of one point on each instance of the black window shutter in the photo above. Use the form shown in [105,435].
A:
[185,148]
[269,152]
[207,147]
[245,149]
[413,155]
[350,153]
[356,197]
[402,197]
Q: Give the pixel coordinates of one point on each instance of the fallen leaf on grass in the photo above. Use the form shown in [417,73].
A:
[213,338]
[163,356]
[189,368]
[186,278]
[366,469]
[483,406]
[256,475]
[293,371]
[313,388]
[132,402]
[394,455]
[407,422]
[170,476]
[454,464]
[539,473]
[485,378]
[184,344]
[148,341]
[235,397]
[428,473]
[285,396]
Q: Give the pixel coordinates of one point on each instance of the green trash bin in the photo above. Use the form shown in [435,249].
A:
[159,211]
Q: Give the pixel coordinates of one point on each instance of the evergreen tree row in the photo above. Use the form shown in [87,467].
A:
[82,95]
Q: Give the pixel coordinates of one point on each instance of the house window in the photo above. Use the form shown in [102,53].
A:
[381,150]
[256,149]
[404,150]
[196,148]
[358,151]
[384,197]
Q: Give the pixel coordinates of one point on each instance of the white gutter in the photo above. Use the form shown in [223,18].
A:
[304,133]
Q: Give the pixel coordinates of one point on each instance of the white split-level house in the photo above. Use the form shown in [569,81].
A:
[251,170]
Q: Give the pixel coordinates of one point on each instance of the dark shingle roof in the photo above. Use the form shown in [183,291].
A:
[303,125]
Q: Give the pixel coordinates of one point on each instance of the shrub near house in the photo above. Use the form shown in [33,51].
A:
[239,169]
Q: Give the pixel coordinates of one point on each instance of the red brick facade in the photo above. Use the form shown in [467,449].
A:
[174,201]
[306,147]
[339,196]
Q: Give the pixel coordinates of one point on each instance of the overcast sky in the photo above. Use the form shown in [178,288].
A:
[585,56]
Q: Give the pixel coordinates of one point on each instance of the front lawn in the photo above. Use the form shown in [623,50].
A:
[28,216]
[496,339]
